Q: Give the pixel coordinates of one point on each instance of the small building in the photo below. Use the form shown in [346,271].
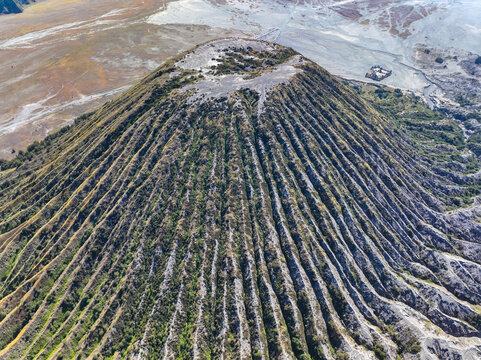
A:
[378,73]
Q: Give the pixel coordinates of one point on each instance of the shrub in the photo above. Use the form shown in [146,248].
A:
[439,60]
[379,352]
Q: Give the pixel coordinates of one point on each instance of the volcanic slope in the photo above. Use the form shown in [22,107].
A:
[240,203]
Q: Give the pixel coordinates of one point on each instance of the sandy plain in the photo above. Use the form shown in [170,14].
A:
[62,58]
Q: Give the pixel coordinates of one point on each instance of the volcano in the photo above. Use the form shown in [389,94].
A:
[242,203]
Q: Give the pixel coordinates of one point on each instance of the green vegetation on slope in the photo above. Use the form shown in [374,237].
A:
[438,139]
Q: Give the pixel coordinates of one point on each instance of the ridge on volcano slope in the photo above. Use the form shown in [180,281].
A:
[240,202]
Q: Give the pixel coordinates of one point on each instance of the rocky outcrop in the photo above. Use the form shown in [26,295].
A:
[13,6]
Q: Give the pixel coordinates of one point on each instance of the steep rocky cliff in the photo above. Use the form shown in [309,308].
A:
[238,203]
[13,6]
